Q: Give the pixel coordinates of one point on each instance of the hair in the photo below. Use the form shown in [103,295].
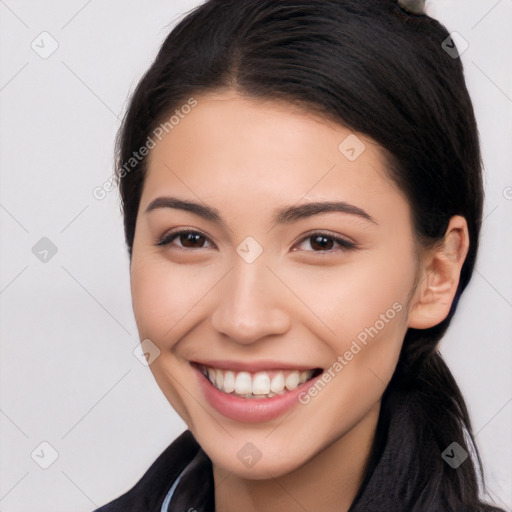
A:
[379,69]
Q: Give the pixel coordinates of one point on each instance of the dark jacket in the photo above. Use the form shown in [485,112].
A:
[181,479]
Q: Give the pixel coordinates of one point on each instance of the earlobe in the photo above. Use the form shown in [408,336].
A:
[440,274]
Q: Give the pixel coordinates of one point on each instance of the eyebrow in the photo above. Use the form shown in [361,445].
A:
[285,215]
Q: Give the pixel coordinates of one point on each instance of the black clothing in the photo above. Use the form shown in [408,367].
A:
[381,490]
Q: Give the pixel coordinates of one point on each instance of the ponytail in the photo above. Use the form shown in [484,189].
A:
[440,418]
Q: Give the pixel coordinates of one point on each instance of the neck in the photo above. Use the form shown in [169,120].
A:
[329,481]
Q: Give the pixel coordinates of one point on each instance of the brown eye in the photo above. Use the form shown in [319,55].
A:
[185,239]
[321,242]
[192,240]
[325,242]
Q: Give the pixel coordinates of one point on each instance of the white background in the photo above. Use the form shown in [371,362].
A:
[68,374]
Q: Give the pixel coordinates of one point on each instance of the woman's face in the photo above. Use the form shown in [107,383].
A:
[297,256]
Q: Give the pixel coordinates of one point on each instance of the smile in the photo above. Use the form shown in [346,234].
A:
[257,385]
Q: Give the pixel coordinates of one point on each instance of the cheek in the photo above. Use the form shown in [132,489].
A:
[163,295]
[365,305]
[375,302]
[354,293]
[164,298]
[359,308]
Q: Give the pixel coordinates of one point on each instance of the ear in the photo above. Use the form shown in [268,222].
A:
[440,274]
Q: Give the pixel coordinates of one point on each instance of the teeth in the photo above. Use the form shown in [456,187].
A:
[229,382]
[243,383]
[219,379]
[292,381]
[304,376]
[261,384]
[258,385]
[277,384]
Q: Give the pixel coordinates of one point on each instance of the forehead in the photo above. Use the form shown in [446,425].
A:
[232,148]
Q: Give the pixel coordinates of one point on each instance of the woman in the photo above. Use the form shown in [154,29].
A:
[302,197]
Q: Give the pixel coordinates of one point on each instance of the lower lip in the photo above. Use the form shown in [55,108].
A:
[251,410]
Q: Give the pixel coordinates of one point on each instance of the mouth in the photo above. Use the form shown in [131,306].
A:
[262,384]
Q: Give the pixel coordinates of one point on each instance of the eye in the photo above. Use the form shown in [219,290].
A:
[188,239]
[316,242]
[324,242]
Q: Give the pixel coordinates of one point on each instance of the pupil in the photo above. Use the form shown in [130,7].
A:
[321,242]
[191,239]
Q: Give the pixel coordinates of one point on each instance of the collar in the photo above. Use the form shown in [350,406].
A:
[381,490]
[193,490]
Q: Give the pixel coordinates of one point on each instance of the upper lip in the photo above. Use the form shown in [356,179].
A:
[253,366]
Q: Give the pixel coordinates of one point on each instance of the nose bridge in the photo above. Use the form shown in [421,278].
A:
[249,305]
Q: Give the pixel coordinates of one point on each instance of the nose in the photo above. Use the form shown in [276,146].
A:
[250,304]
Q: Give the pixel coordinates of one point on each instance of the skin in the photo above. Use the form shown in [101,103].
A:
[296,302]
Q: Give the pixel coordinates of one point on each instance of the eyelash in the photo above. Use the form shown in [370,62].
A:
[170,237]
